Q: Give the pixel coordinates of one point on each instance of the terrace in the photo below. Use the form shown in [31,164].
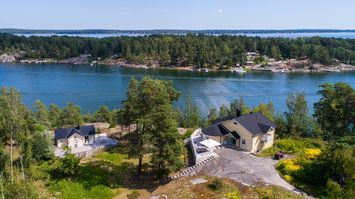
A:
[203,147]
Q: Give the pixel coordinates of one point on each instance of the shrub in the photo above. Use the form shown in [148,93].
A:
[69,164]
[19,189]
[232,195]
[293,146]
[333,189]
[216,185]
[133,195]
[312,153]
[288,178]
[45,169]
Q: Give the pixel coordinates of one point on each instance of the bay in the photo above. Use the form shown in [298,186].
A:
[93,86]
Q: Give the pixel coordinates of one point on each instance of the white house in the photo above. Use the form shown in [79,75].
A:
[74,137]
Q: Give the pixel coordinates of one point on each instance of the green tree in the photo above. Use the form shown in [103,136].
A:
[54,115]
[103,115]
[42,147]
[16,127]
[88,117]
[191,114]
[266,109]
[275,53]
[149,105]
[335,111]
[167,150]
[340,159]
[69,164]
[130,110]
[41,113]
[281,123]
[212,116]
[298,120]
[70,116]
[223,111]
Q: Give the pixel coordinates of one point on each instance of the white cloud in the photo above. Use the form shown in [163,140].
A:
[220,11]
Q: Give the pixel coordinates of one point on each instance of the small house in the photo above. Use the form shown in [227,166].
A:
[74,137]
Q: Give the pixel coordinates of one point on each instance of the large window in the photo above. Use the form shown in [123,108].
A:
[243,141]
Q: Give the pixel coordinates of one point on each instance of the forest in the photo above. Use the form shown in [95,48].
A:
[181,50]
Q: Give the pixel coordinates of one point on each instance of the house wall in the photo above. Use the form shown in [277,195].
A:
[259,144]
[216,138]
[76,141]
[62,143]
[242,132]
[91,139]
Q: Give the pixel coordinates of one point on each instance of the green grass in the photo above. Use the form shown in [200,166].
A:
[292,146]
[115,159]
[69,189]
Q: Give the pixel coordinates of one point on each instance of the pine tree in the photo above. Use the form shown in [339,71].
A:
[70,116]
[41,114]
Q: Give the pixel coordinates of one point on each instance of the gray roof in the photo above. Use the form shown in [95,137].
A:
[255,123]
[215,130]
[64,133]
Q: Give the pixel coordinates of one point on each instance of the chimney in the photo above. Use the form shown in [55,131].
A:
[78,127]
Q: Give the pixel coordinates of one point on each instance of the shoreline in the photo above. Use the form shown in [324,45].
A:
[237,70]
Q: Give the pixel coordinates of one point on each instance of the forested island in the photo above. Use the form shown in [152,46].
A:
[189,51]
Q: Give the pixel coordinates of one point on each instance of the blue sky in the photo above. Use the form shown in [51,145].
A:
[177,14]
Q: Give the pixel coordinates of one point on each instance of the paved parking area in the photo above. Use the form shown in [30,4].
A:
[245,168]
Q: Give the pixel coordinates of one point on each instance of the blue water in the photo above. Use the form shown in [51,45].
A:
[93,86]
[344,35]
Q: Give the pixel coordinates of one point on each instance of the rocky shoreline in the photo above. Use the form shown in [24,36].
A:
[285,66]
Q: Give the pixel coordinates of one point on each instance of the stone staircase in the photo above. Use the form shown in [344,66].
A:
[187,171]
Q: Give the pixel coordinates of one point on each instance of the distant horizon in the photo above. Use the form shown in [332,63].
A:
[180,15]
[177,29]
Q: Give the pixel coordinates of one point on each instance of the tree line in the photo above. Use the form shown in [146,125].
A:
[182,50]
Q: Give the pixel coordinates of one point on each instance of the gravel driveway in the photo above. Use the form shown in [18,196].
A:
[245,168]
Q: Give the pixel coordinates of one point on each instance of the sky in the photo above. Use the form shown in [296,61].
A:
[177,14]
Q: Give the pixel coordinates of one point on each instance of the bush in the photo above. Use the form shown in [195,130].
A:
[69,164]
[232,195]
[45,169]
[133,195]
[293,146]
[216,185]
[333,189]
[19,190]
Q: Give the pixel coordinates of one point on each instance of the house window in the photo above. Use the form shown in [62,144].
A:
[243,141]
